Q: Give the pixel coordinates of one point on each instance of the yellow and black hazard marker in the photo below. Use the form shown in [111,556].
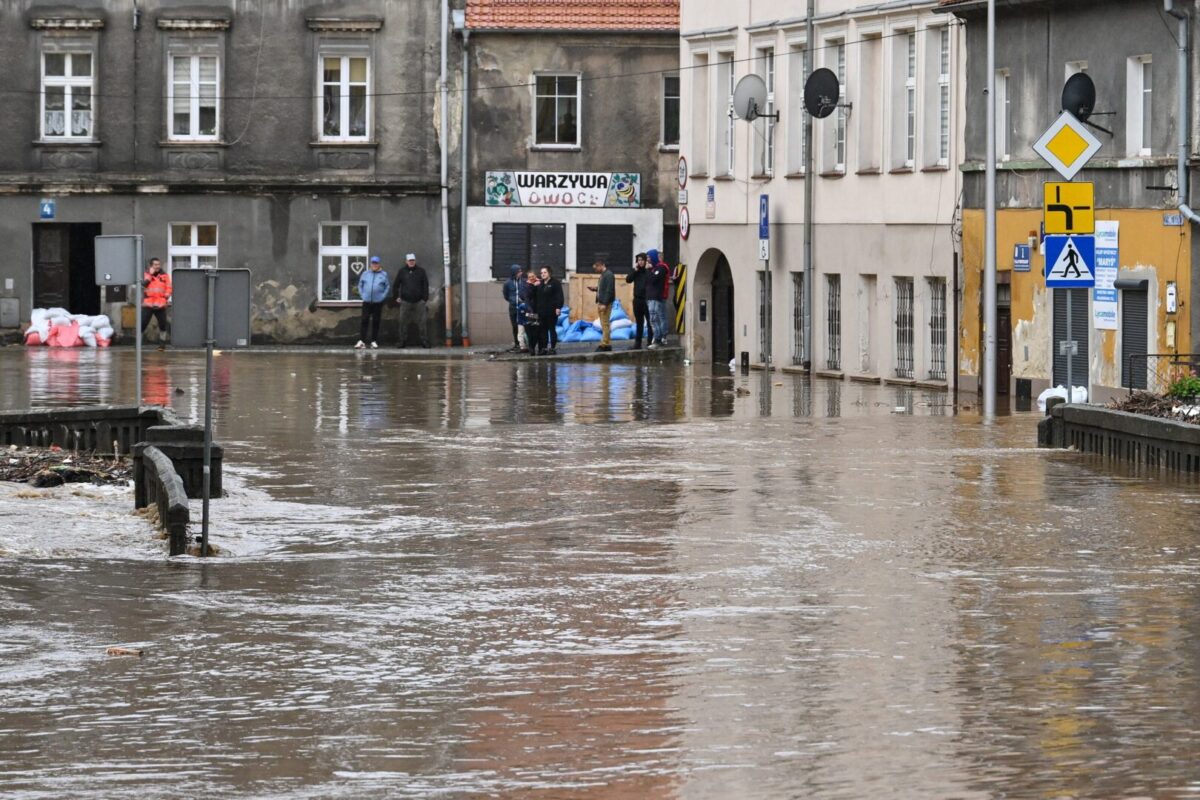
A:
[680,296]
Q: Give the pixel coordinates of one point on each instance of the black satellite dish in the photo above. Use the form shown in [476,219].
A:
[1079,96]
[821,93]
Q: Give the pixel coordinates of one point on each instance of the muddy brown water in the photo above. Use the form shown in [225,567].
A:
[545,580]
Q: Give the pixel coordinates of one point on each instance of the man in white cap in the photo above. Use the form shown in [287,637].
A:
[412,290]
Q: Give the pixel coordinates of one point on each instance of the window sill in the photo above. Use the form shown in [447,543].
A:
[762,176]
[558,148]
[869,171]
[668,148]
[192,143]
[724,178]
[344,143]
[900,171]
[830,373]
[66,142]
[936,168]
[339,304]
[698,175]
[864,377]
[791,175]
[834,173]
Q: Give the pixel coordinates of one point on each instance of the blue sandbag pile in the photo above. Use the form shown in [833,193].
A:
[589,331]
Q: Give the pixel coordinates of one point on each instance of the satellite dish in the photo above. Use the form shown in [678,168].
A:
[821,93]
[1079,96]
[750,98]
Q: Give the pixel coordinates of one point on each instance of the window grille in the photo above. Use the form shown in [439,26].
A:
[833,321]
[799,314]
[904,327]
[937,329]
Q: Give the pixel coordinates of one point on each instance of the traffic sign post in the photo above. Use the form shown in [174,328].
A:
[1067,145]
[764,253]
[1069,208]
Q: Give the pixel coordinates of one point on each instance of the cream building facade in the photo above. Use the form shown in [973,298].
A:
[887,188]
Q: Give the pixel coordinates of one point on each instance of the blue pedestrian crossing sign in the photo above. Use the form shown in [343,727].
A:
[1070,262]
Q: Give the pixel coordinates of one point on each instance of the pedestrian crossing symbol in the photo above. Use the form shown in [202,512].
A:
[1070,261]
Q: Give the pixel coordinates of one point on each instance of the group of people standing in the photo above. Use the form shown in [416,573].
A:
[535,300]
[409,290]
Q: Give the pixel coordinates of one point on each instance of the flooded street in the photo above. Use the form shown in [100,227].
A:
[539,580]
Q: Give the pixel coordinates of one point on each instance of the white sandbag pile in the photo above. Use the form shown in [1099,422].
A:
[57,327]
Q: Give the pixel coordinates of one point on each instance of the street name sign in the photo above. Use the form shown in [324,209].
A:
[1070,262]
[1069,208]
[1067,145]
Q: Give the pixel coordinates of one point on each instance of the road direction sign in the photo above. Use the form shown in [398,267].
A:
[1067,145]
[1069,208]
[1070,262]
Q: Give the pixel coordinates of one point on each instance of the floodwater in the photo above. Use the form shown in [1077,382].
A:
[535,580]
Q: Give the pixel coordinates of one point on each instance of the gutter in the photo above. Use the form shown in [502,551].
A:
[443,139]
[1181,163]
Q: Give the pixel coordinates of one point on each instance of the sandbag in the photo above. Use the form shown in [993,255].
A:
[103,342]
[618,324]
[59,320]
[33,338]
[88,338]
[617,312]
[105,333]
[38,315]
[101,321]
[64,335]
[590,335]
[57,312]
[621,334]
[570,336]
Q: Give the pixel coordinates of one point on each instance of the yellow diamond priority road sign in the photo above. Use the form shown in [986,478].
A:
[1067,145]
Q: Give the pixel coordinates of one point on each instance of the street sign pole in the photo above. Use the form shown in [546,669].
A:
[210,340]
[1070,346]
[810,270]
[989,221]
[137,319]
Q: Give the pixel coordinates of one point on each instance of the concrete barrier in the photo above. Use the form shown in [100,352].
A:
[156,483]
[1119,435]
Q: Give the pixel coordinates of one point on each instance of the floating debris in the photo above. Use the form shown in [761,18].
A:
[47,467]
[117,650]
[1156,405]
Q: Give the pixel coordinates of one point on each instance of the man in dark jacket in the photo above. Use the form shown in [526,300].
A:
[548,302]
[641,312]
[606,294]
[412,290]
[658,283]
[512,295]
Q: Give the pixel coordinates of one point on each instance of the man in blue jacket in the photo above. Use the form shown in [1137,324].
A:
[374,288]
[512,295]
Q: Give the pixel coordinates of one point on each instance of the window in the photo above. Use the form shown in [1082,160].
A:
[935,147]
[764,128]
[344,98]
[904,327]
[764,315]
[797,74]
[1075,67]
[1138,101]
[937,329]
[799,319]
[1003,119]
[67,94]
[530,246]
[670,118]
[725,122]
[866,323]
[612,244]
[869,109]
[910,99]
[840,126]
[192,97]
[698,158]
[193,246]
[943,93]
[556,111]
[343,258]
[833,322]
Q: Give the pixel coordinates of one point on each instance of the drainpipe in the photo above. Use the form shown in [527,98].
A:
[1181,166]
[443,137]
[464,183]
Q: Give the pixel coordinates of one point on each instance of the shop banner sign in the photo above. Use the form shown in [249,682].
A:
[564,189]
[1104,295]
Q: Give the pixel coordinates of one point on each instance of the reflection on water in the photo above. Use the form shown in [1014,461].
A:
[601,581]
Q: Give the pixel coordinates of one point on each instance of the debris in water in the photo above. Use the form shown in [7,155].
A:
[117,650]
[42,468]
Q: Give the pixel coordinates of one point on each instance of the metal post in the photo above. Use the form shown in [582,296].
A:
[989,218]
[209,342]
[1070,346]
[443,140]
[137,319]
[810,268]
[464,184]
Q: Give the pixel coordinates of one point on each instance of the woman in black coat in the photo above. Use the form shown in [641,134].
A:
[548,302]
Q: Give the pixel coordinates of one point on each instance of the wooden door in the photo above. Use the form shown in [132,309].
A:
[1003,349]
[51,266]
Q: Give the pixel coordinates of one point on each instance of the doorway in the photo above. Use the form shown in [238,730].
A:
[64,266]
[1003,338]
[722,314]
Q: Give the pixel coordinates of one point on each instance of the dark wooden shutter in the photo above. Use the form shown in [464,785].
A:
[548,247]
[612,244]
[1081,326]
[1134,337]
[510,245]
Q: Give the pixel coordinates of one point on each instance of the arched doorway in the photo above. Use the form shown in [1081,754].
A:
[722,312]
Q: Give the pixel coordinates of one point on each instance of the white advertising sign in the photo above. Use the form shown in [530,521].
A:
[1104,295]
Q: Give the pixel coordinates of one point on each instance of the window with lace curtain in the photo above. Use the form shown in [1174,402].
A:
[66,97]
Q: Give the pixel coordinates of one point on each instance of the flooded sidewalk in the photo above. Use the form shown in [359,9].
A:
[534,579]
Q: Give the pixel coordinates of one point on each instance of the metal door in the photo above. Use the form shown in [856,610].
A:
[722,316]
[1080,328]
[51,266]
[1135,337]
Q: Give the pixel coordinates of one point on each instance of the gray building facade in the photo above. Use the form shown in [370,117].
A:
[293,139]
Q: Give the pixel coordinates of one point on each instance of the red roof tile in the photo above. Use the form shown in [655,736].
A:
[575,15]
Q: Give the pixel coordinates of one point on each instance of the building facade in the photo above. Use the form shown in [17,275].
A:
[572,140]
[293,139]
[885,190]
[1146,301]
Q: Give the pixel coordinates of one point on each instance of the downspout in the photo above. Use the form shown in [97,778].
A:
[1181,165]
[464,184]
[443,137]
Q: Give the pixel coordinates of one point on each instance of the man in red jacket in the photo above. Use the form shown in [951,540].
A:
[156,296]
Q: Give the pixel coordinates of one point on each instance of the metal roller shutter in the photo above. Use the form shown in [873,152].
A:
[510,245]
[612,244]
[1134,336]
[1081,321]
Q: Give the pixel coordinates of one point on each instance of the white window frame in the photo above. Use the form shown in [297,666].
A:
[194,82]
[910,99]
[70,84]
[678,97]
[192,251]
[1074,68]
[345,252]
[1139,104]
[701,124]
[726,70]
[577,144]
[764,142]
[1003,123]
[943,89]
[344,83]
[840,118]
[797,72]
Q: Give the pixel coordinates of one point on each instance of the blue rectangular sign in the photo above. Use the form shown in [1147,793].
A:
[1021,258]
[764,217]
[46,208]
[1070,262]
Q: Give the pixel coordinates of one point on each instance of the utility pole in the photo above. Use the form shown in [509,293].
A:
[989,222]
[810,181]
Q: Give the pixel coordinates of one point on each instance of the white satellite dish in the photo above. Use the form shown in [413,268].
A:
[750,98]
